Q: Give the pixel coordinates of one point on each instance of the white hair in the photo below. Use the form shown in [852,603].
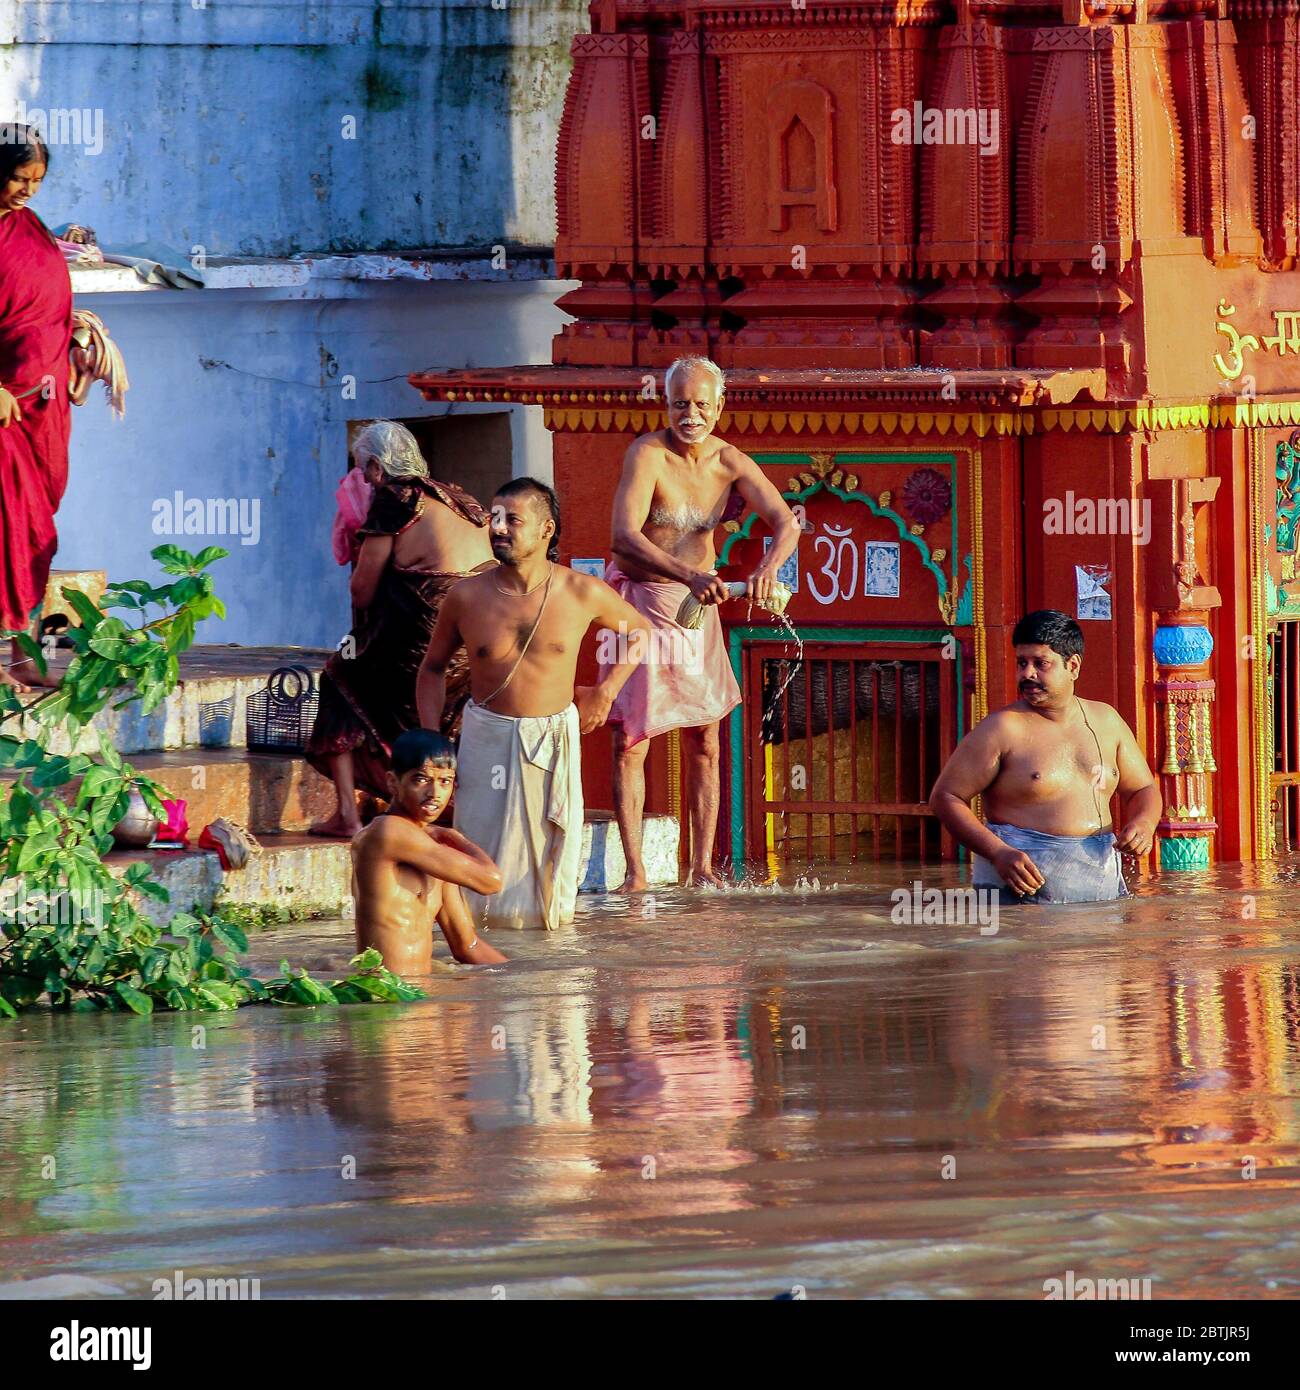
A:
[393,448]
[695,364]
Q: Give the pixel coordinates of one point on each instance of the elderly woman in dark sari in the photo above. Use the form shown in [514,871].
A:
[35,334]
[419,539]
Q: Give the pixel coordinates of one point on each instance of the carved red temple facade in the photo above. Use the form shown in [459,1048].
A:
[1006,295]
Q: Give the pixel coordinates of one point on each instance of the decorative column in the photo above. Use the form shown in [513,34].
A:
[1184,691]
[964,241]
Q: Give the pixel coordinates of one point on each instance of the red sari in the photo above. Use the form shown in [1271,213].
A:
[35,333]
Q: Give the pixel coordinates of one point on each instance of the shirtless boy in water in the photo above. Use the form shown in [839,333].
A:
[407,872]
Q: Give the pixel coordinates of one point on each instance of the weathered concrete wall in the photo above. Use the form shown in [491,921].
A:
[269,128]
[250,127]
[270,424]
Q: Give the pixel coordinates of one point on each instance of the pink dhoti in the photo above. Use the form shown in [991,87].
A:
[686,679]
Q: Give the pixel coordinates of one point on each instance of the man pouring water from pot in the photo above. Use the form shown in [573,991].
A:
[675,488]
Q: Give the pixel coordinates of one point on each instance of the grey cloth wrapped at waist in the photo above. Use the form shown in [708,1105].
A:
[1075,868]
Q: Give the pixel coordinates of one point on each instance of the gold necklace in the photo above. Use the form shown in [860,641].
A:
[523,593]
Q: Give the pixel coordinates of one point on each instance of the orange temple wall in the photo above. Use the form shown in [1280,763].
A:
[1100,303]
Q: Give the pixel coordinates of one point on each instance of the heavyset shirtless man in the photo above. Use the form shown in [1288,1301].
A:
[1047,766]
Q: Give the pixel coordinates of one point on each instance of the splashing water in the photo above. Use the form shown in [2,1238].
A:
[793,665]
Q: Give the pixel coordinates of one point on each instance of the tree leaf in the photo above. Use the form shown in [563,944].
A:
[221,995]
[155,692]
[31,649]
[132,998]
[35,848]
[99,781]
[230,936]
[186,590]
[54,772]
[172,559]
[149,790]
[115,648]
[112,758]
[90,616]
[180,634]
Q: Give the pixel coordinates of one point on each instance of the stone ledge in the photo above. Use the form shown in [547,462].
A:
[604,865]
[325,270]
[307,876]
[311,877]
[205,711]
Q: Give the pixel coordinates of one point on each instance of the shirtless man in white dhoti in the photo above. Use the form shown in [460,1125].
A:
[519,780]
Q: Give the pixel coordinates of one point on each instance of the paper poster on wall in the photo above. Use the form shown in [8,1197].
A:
[788,574]
[1092,597]
[595,568]
[882,567]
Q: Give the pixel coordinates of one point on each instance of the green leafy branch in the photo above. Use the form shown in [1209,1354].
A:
[71,930]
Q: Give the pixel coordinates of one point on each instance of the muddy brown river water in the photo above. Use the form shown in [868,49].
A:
[737,1096]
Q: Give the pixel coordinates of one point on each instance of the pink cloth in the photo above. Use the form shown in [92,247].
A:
[353,498]
[686,680]
[77,253]
[176,828]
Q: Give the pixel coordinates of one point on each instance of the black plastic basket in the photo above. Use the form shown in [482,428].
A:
[280,717]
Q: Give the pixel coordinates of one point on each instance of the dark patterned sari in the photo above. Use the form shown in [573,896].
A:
[367,699]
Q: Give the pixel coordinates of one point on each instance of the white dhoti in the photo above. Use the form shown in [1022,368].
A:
[519,797]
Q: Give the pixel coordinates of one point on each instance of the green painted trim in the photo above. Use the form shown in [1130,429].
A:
[738,636]
[1184,853]
[896,456]
[900,523]
[965,614]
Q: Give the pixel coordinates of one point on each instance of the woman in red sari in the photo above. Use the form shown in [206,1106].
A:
[35,332]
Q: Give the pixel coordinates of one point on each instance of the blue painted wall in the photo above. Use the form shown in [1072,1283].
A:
[227,126]
[273,426]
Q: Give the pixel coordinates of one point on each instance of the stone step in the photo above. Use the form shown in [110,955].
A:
[194,744]
[298,876]
[206,710]
[268,793]
[603,864]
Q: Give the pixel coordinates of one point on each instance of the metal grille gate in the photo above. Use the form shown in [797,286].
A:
[843,747]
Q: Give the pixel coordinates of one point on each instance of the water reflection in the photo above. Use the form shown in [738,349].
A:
[741,1092]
